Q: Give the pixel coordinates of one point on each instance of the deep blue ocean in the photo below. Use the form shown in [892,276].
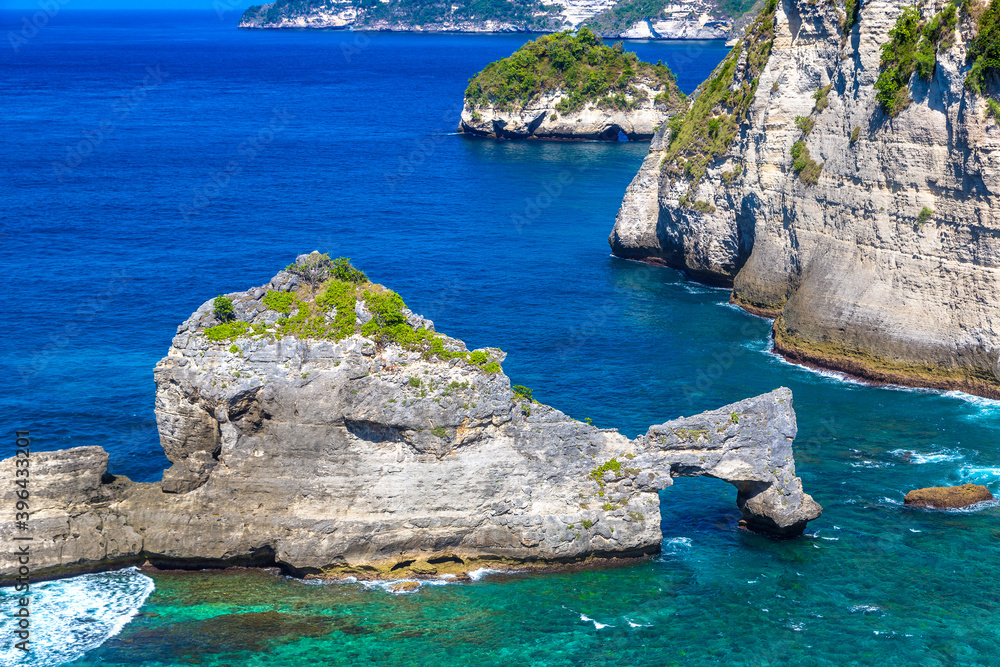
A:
[152,161]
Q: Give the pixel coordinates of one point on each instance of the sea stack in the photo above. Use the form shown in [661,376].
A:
[316,424]
[566,86]
[839,170]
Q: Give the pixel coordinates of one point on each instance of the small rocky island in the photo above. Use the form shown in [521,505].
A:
[567,86]
[317,424]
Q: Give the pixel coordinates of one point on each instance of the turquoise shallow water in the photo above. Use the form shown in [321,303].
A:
[476,236]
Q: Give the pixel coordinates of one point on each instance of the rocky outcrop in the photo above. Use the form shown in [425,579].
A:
[948,497]
[873,239]
[541,119]
[683,27]
[345,453]
[570,87]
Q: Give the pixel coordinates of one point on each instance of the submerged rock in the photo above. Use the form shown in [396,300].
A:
[948,497]
[301,438]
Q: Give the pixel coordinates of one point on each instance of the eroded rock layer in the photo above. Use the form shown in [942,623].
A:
[353,456]
[872,238]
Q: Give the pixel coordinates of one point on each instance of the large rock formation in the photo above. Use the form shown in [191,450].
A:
[373,445]
[873,239]
[579,89]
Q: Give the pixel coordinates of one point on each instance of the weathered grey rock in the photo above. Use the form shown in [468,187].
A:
[540,119]
[341,457]
[857,281]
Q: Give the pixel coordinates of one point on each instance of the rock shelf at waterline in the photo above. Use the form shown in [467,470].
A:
[316,424]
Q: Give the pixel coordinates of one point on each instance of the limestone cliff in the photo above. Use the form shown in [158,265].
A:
[567,86]
[687,19]
[343,435]
[865,222]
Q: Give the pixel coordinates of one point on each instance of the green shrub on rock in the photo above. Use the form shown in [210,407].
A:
[912,47]
[580,66]
[984,48]
[222,309]
[696,142]
[279,301]
[807,169]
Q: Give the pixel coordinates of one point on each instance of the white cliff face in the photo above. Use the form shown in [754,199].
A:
[575,12]
[694,19]
[540,119]
[857,279]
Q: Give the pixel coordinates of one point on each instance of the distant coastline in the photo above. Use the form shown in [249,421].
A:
[687,20]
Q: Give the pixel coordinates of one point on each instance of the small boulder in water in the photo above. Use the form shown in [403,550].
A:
[404,587]
[948,497]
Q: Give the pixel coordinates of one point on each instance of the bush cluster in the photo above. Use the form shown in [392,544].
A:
[580,66]
[806,168]
[704,133]
[912,47]
[984,48]
[329,313]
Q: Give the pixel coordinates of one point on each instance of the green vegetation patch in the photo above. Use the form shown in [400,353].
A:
[280,301]
[806,168]
[984,48]
[328,312]
[520,391]
[597,474]
[705,132]
[852,11]
[580,66]
[227,331]
[912,47]
[222,308]
[993,110]
[625,14]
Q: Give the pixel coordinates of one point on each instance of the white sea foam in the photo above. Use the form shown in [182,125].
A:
[678,542]
[476,575]
[986,406]
[914,530]
[869,464]
[979,473]
[864,608]
[917,458]
[634,624]
[72,616]
[390,585]
[597,624]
